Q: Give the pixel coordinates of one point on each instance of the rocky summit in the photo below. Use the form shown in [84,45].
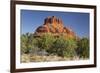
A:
[54,26]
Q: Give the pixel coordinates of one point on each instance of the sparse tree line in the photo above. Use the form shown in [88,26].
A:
[55,46]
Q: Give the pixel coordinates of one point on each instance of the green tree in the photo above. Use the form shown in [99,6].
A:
[26,42]
[70,48]
[23,43]
[64,47]
[46,41]
[83,48]
[58,46]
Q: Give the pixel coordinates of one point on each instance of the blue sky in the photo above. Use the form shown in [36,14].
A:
[78,22]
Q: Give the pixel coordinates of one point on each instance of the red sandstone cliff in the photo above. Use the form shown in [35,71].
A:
[54,26]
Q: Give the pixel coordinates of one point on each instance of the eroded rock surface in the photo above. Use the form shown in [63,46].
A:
[54,26]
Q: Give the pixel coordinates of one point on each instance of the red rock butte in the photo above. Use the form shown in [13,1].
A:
[54,26]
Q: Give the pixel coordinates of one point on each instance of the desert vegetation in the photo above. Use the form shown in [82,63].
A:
[50,48]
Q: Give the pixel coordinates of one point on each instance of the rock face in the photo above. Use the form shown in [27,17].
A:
[54,26]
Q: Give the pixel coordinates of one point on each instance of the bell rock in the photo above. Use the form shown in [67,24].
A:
[54,26]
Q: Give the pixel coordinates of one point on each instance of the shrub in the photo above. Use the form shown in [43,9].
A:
[64,47]
[27,42]
[70,48]
[58,46]
[45,42]
[83,48]
[24,43]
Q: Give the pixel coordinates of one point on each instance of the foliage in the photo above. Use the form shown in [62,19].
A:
[63,47]
[27,42]
[24,40]
[59,46]
[83,48]
[46,41]
[70,48]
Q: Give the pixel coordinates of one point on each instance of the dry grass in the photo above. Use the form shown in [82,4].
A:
[25,58]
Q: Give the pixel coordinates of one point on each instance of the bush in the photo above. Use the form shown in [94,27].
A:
[24,43]
[58,46]
[27,42]
[83,48]
[70,50]
[45,42]
[64,47]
